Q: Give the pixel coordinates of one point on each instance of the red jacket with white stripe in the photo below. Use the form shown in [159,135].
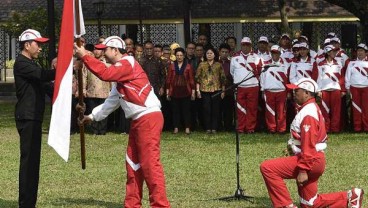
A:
[308,134]
[132,90]
[331,76]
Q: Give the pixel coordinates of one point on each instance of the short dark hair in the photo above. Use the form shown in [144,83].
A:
[89,47]
[230,37]
[158,46]
[214,51]
[180,49]
[138,45]
[147,42]
[199,45]
[190,42]
[122,50]
[225,46]
[22,44]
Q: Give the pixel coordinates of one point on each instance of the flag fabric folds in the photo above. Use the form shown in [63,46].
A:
[59,132]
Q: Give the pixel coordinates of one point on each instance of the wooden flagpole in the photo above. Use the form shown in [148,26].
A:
[80,89]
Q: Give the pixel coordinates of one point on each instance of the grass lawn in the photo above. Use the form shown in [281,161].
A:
[199,168]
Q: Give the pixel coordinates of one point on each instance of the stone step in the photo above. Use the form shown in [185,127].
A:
[7,94]
[8,99]
[7,87]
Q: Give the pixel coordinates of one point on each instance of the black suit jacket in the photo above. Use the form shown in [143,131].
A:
[29,80]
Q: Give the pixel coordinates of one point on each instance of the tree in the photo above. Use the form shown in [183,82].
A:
[35,19]
[359,8]
[284,18]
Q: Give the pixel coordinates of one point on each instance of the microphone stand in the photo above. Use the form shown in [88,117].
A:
[239,192]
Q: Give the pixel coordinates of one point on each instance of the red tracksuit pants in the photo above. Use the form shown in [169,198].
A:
[331,110]
[359,104]
[247,108]
[274,172]
[275,111]
[143,162]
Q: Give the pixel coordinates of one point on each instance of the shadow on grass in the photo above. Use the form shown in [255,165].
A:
[8,203]
[260,202]
[86,202]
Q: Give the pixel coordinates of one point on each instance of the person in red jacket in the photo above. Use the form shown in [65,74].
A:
[306,162]
[134,93]
[180,89]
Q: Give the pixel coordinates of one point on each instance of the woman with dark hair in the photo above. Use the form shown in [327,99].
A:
[210,78]
[303,66]
[180,89]
[331,83]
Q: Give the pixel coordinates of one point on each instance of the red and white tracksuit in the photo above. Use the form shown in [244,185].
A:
[331,83]
[343,58]
[287,54]
[308,140]
[356,80]
[300,68]
[243,66]
[266,56]
[133,92]
[272,84]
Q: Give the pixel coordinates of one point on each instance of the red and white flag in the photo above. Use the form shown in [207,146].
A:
[59,133]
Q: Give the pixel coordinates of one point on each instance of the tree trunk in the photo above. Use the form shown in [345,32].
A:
[284,19]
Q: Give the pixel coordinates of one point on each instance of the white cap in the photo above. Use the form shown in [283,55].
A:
[328,48]
[246,40]
[336,39]
[304,83]
[362,46]
[276,49]
[112,41]
[331,35]
[327,41]
[295,41]
[285,35]
[304,37]
[32,35]
[263,39]
[296,45]
[304,45]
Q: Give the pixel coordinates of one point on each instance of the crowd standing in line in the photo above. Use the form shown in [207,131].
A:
[262,102]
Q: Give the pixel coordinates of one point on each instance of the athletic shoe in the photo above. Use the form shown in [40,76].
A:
[355,198]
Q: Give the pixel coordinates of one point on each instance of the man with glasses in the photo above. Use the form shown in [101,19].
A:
[136,97]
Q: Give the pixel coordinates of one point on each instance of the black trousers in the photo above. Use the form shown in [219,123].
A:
[98,127]
[166,109]
[30,133]
[211,110]
[181,108]
[227,112]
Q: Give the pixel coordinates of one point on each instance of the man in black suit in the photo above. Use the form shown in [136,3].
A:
[29,110]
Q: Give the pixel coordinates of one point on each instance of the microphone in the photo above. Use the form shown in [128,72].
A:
[267,66]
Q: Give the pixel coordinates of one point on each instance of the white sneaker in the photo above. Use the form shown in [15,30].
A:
[355,198]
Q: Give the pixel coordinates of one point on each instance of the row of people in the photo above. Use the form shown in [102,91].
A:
[266,89]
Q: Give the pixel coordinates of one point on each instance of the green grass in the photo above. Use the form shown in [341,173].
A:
[199,168]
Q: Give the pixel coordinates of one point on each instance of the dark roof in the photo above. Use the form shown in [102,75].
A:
[172,9]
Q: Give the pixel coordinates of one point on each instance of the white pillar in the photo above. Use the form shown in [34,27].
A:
[122,29]
[238,33]
[180,35]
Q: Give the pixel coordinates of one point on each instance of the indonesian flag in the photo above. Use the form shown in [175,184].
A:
[59,133]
